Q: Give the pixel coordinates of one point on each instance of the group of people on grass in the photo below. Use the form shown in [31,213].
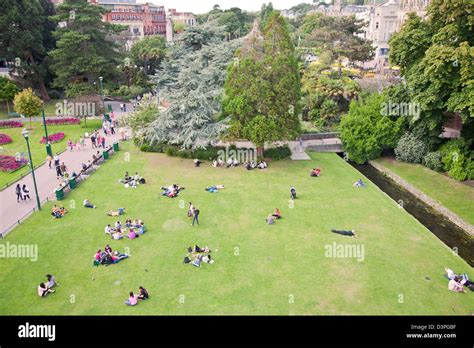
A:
[58,212]
[132,181]
[108,257]
[47,287]
[135,229]
[171,191]
[134,298]
[197,256]
[22,193]
[457,282]
[252,165]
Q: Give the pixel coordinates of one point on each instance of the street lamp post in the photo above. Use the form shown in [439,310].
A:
[101,94]
[48,145]
[26,134]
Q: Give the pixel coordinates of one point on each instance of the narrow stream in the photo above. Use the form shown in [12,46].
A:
[444,229]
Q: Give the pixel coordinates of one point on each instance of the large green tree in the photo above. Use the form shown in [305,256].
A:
[7,90]
[26,34]
[148,53]
[264,82]
[27,103]
[366,131]
[83,51]
[436,57]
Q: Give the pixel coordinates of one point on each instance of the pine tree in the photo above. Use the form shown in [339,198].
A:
[191,81]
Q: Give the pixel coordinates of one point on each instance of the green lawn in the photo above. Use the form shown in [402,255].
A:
[38,150]
[454,195]
[49,108]
[259,269]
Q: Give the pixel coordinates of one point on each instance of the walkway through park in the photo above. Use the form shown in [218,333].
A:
[11,212]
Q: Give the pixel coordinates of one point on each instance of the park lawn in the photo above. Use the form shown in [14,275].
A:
[259,269]
[454,195]
[38,150]
[49,108]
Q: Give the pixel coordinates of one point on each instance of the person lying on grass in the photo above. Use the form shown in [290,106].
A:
[118,212]
[51,281]
[250,165]
[103,258]
[171,191]
[215,188]
[270,219]
[87,204]
[315,172]
[350,233]
[43,290]
[359,183]
[218,163]
[455,285]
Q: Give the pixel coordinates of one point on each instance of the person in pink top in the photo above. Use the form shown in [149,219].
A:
[132,234]
[43,290]
[132,300]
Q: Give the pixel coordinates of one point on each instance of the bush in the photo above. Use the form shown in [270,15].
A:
[55,94]
[277,153]
[458,169]
[410,149]
[53,138]
[63,121]
[5,139]
[451,149]
[433,161]
[10,163]
[11,124]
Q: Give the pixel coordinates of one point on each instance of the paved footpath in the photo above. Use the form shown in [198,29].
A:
[46,180]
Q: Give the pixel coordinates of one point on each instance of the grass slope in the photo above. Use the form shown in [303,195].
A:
[454,195]
[259,269]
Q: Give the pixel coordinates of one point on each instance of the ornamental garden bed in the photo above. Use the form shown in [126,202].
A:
[53,138]
[11,124]
[63,121]
[5,139]
[10,164]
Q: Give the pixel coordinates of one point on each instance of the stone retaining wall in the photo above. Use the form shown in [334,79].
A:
[438,207]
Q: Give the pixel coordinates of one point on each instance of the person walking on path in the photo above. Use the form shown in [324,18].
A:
[103,142]
[56,160]
[19,196]
[49,159]
[63,168]
[93,141]
[26,192]
[196,216]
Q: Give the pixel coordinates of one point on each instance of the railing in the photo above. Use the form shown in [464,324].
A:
[4,233]
[318,136]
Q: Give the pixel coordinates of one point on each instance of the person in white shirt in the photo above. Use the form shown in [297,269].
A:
[455,285]
[108,229]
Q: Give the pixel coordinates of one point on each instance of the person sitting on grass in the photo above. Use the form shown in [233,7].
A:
[270,219]
[350,233]
[197,261]
[277,214]
[463,278]
[55,212]
[118,226]
[262,165]
[62,211]
[128,223]
[292,193]
[455,285]
[197,162]
[132,299]
[142,228]
[197,249]
[131,234]
[248,166]
[108,229]
[87,204]
[116,235]
[359,183]
[43,290]
[51,281]
[207,259]
[315,172]
[142,293]
[108,249]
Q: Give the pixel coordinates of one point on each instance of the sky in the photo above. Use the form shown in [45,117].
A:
[202,6]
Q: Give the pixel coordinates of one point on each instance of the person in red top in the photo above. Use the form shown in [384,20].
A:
[315,172]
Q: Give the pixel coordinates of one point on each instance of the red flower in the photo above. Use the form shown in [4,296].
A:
[63,120]
[10,124]
[53,138]
[10,163]
[5,139]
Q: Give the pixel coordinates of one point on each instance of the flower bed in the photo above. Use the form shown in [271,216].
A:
[53,138]
[10,164]
[10,124]
[63,121]
[5,139]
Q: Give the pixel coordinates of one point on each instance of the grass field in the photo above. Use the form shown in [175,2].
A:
[38,150]
[454,195]
[49,108]
[259,269]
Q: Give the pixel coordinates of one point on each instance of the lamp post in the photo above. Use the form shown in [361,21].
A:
[48,145]
[101,94]
[26,135]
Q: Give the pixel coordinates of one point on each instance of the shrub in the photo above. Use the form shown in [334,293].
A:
[410,149]
[433,161]
[277,153]
[458,169]
[451,150]
[11,124]
[10,164]
[53,138]
[5,139]
[55,94]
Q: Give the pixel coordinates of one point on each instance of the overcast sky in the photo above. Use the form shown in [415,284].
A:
[202,6]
